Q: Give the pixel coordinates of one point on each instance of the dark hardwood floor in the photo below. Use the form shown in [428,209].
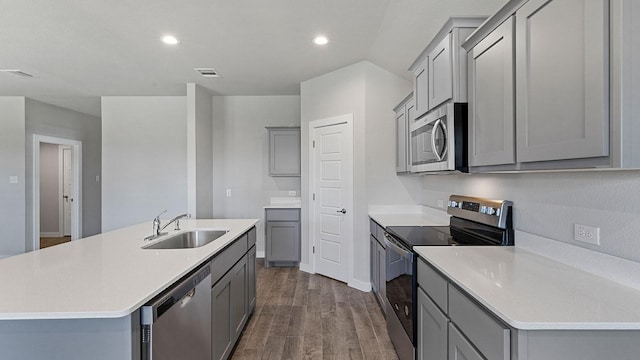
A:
[304,316]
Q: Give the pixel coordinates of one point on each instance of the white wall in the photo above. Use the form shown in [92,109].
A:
[203,110]
[49,190]
[144,159]
[241,155]
[12,158]
[549,204]
[369,93]
[50,120]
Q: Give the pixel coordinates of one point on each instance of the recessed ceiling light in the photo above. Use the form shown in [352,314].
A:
[320,40]
[170,40]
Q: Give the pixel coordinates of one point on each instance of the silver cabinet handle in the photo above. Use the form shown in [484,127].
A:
[344,211]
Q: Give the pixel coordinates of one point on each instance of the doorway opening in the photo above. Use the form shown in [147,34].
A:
[57,191]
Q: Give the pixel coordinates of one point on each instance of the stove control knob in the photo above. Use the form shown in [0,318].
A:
[491,211]
[460,205]
[483,209]
[453,203]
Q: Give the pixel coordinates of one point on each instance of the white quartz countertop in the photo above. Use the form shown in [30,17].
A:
[532,292]
[103,276]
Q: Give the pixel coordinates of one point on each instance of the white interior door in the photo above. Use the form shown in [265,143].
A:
[333,204]
[67,190]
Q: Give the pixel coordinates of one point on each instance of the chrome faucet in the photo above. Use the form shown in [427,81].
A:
[157,229]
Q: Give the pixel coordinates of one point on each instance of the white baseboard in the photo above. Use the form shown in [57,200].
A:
[260,254]
[360,285]
[306,268]
[50,234]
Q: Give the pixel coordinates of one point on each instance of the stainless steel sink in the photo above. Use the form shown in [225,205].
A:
[188,240]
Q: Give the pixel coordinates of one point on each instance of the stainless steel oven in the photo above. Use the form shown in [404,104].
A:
[439,140]
[474,221]
[401,299]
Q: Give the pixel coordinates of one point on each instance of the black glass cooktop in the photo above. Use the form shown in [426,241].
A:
[461,232]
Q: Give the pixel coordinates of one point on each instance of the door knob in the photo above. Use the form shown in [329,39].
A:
[344,211]
[65,196]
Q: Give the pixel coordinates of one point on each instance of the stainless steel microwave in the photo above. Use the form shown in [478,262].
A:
[439,140]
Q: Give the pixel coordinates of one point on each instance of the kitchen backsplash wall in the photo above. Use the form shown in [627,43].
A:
[549,204]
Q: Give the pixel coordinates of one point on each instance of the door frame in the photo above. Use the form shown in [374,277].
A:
[76,209]
[346,119]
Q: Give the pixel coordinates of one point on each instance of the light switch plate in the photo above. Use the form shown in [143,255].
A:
[13,179]
[292,193]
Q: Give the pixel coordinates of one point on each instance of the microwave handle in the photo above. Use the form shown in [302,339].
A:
[433,140]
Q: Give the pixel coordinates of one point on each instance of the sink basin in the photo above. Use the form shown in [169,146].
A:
[188,240]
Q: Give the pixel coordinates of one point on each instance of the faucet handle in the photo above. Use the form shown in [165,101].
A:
[157,218]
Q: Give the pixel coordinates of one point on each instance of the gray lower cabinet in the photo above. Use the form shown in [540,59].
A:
[432,329]
[459,347]
[378,263]
[282,238]
[233,294]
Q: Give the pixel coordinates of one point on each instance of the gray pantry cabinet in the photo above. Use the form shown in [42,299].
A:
[232,294]
[282,236]
[453,325]
[404,111]
[549,86]
[284,151]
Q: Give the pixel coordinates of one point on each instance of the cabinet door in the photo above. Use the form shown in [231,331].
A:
[373,259]
[382,275]
[420,89]
[491,94]
[251,270]
[440,73]
[284,152]
[221,323]
[283,241]
[432,329]
[239,298]
[562,66]
[401,140]
[460,348]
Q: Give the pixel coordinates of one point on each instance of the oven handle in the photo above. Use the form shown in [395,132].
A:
[394,247]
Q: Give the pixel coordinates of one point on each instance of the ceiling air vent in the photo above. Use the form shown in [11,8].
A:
[17,73]
[207,72]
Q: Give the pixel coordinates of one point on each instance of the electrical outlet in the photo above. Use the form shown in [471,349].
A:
[441,204]
[587,234]
[292,193]
[228,192]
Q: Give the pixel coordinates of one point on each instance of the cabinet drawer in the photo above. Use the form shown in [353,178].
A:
[372,227]
[433,284]
[224,261]
[283,215]
[251,237]
[487,334]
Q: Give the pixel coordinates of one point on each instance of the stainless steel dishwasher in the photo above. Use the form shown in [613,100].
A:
[177,325]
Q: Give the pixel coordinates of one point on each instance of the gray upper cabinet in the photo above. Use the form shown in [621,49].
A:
[562,97]
[562,79]
[284,151]
[403,113]
[420,89]
[440,73]
[491,98]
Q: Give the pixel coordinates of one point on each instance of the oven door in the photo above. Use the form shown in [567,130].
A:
[401,299]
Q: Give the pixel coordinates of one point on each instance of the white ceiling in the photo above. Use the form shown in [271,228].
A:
[79,50]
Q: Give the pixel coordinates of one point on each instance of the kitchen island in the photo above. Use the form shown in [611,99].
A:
[81,300]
